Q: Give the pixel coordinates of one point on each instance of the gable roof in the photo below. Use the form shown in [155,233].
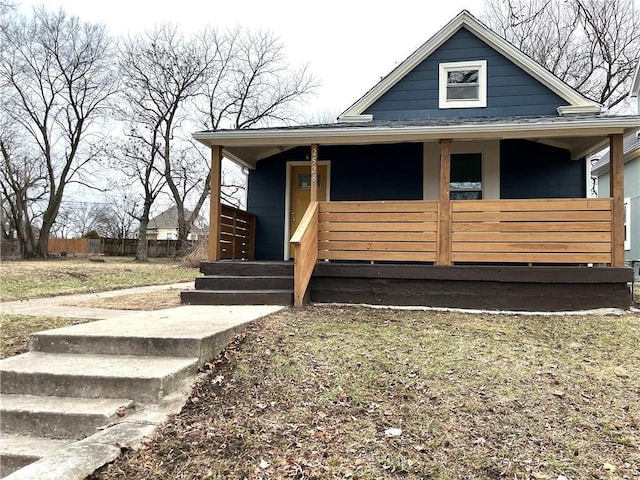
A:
[578,103]
[168,219]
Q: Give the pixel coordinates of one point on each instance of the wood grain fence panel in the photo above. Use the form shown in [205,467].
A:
[532,231]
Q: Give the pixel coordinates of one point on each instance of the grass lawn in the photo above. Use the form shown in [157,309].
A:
[21,280]
[17,328]
[41,278]
[332,392]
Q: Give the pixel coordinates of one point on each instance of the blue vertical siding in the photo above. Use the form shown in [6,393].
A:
[510,90]
[360,172]
[534,170]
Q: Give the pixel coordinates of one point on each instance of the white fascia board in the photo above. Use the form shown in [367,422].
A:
[358,135]
[579,110]
[355,118]
[465,19]
[635,83]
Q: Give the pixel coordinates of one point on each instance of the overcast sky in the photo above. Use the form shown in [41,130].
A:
[348,44]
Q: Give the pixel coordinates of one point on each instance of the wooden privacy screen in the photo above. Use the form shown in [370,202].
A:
[542,231]
[382,230]
[237,234]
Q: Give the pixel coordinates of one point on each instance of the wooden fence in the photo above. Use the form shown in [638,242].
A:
[237,234]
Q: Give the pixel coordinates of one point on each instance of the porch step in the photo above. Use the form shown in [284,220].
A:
[17,451]
[145,334]
[244,282]
[59,417]
[144,379]
[246,268]
[238,297]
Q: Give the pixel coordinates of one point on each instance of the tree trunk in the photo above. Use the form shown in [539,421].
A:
[141,252]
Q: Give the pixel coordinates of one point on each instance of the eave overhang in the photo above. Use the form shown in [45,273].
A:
[582,136]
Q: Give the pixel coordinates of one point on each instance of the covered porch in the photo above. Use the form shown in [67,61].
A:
[550,253]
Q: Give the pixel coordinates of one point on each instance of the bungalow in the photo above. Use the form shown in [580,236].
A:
[459,180]
[164,226]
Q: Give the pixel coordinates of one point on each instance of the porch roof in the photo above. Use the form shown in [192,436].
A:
[582,135]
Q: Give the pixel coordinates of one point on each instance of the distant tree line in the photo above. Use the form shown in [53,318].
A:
[65,82]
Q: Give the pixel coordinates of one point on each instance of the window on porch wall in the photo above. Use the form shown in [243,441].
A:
[466,176]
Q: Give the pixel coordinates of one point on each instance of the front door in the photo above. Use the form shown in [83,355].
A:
[300,189]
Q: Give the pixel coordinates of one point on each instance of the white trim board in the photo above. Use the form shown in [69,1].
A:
[287,196]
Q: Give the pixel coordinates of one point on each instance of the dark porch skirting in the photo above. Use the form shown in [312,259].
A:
[519,288]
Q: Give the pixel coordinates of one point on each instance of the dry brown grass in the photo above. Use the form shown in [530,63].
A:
[148,301]
[310,393]
[15,330]
[42,278]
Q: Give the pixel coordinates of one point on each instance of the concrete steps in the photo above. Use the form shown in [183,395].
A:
[59,417]
[82,390]
[242,283]
[144,379]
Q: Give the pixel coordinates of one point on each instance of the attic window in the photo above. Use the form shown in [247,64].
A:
[463,84]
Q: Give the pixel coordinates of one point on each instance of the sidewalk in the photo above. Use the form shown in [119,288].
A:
[58,306]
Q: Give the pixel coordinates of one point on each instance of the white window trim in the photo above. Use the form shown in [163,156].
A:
[627,223]
[481,65]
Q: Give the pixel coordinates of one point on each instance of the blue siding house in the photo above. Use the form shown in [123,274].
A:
[465,162]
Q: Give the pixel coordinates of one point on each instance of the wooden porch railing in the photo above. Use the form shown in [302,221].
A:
[383,230]
[237,234]
[535,231]
[305,252]
[505,231]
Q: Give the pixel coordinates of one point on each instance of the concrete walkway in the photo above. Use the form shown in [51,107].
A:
[83,392]
[60,306]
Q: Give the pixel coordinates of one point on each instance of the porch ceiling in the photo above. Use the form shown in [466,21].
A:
[582,135]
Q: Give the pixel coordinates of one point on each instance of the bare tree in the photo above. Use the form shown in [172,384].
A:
[22,186]
[162,71]
[252,84]
[56,77]
[593,45]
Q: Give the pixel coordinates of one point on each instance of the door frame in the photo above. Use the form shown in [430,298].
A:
[287,196]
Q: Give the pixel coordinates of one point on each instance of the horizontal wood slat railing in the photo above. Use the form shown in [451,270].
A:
[305,252]
[533,231]
[237,234]
[381,230]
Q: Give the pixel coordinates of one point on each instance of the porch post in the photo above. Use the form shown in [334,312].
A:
[616,190]
[314,172]
[444,218]
[213,251]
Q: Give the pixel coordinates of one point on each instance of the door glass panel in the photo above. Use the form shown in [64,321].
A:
[304,181]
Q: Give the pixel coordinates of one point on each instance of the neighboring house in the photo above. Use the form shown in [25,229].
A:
[631,159]
[165,226]
[458,180]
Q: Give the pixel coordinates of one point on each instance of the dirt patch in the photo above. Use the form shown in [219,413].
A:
[381,394]
[147,301]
